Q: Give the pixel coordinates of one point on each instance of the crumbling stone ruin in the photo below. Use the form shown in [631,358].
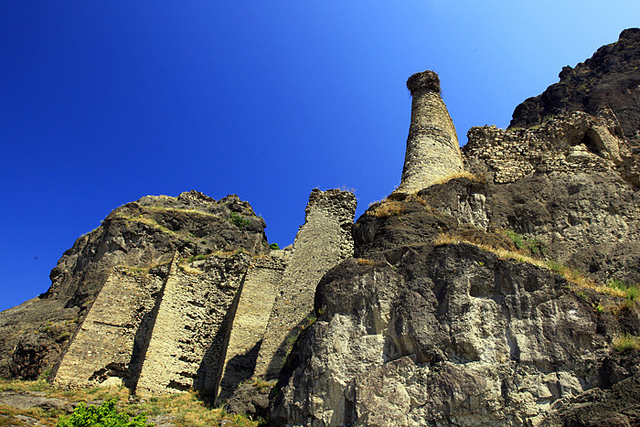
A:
[321,243]
[110,341]
[506,295]
[432,151]
[208,322]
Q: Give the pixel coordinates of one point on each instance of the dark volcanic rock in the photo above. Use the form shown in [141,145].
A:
[451,335]
[424,329]
[457,206]
[609,79]
[139,234]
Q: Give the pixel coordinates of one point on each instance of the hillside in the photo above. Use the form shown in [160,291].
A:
[496,286]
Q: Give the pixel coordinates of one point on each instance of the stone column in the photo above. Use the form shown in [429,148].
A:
[323,241]
[433,151]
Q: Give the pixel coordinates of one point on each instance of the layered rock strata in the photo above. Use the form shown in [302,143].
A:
[432,150]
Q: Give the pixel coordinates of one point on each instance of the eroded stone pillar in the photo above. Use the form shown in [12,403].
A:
[322,242]
[433,151]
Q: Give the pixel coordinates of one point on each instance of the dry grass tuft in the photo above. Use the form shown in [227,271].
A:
[455,175]
[394,205]
[387,208]
[364,261]
[625,343]
[445,239]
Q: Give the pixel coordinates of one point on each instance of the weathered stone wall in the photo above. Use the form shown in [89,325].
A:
[258,294]
[321,243]
[104,350]
[186,348]
[432,151]
[565,143]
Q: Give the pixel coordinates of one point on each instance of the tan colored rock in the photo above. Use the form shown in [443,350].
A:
[433,151]
[322,242]
[190,332]
[256,301]
[103,350]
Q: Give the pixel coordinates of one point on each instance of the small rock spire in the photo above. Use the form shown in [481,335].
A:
[433,151]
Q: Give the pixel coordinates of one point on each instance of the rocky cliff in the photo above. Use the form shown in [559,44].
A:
[144,235]
[501,289]
[505,295]
[607,80]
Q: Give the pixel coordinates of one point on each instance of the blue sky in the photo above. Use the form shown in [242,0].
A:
[102,103]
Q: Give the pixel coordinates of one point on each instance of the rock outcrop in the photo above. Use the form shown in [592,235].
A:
[141,234]
[608,81]
[461,307]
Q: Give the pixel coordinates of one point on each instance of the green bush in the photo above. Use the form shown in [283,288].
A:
[630,291]
[274,246]
[518,239]
[239,221]
[534,245]
[104,415]
[626,343]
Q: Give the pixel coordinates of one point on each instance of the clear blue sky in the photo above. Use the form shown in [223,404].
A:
[103,102]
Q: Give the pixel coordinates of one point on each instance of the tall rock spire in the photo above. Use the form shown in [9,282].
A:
[433,151]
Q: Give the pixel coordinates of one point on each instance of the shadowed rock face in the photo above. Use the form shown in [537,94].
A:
[450,335]
[610,79]
[139,234]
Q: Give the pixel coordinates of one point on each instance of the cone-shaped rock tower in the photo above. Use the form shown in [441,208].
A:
[433,151]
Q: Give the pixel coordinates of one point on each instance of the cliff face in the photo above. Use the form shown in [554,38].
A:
[449,328]
[461,306]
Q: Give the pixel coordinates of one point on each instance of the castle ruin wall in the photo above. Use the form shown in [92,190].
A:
[103,351]
[322,242]
[186,348]
[257,297]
